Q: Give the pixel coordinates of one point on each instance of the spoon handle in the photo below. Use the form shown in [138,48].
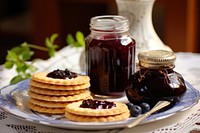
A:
[158,106]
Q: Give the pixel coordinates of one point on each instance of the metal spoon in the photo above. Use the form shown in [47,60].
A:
[157,107]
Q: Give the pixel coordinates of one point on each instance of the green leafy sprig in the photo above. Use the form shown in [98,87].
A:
[49,42]
[20,55]
[78,41]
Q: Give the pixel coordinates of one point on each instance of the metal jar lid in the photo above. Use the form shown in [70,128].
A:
[156,58]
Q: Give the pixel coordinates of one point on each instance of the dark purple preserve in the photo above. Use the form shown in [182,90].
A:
[110,63]
[97,104]
[156,79]
[110,56]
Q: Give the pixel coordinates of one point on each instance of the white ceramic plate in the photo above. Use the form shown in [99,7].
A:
[13,100]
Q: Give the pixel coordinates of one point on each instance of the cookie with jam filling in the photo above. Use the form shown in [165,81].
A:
[60,77]
[91,110]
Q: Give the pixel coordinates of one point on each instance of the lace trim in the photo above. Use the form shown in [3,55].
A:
[3,115]
[190,125]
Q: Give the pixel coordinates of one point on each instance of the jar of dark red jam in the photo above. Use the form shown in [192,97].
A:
[110,55]
[156,80]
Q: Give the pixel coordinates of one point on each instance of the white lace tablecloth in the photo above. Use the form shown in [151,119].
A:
[188,64]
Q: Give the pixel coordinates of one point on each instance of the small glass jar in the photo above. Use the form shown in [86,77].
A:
[156,80]
[110,55]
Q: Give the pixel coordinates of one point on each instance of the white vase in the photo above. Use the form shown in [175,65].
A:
[139,13]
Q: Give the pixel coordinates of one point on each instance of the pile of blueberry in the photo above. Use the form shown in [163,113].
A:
[62,74]
[137,110]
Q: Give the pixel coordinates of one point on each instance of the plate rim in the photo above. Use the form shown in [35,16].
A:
[82,125]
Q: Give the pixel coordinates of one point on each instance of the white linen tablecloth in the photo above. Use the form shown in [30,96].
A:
[187,64]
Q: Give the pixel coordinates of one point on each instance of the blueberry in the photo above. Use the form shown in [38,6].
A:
[145,107]
[129,105]
[135,110]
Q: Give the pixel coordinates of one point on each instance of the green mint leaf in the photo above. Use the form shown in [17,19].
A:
[53,37]
[20,64]
[24,44]
[21,67]
[70,39]
[32,68]
[8,64]
[11,56]
[48,42]
[16,50]
[20,49]
[77,44]
[54,47]
[51,52]
[80,38]
[25,47]
[28,75]
[21,53]
[16,79]
[26,55]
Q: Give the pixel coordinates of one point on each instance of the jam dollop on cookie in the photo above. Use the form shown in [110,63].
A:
[97,104]
[62,74]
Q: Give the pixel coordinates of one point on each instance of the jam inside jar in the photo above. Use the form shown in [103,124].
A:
[156,80]
[110,56]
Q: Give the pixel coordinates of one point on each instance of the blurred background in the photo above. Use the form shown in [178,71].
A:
[175,21]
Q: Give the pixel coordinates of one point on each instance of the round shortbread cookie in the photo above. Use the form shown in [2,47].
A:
[75,108]
[45,110]
[55,92]
[59,87]
[77,97]
[79,118]
[42,77]
[50,104]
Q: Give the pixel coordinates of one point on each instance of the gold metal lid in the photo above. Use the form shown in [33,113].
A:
[156,58]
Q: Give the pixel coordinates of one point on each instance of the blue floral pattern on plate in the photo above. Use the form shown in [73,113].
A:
[13,100]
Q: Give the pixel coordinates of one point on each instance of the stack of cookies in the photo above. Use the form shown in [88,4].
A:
[51,95]
[102,113]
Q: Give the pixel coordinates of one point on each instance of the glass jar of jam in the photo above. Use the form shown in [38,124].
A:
[156,80]
[110,55]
